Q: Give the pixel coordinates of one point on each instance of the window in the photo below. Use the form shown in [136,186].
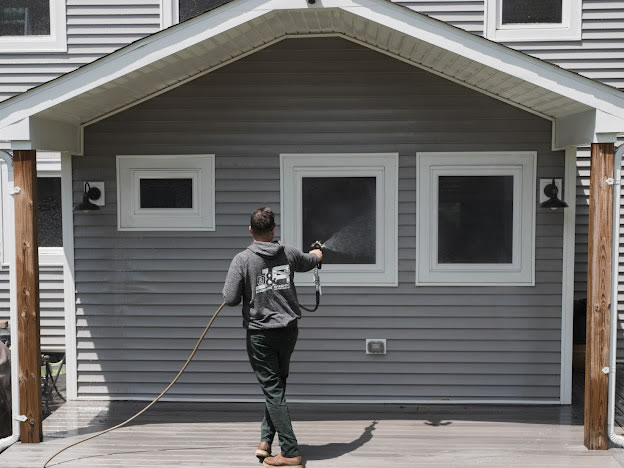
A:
[349,202]
[33,26]
[50,221]
[166,193]
[475,218]
[533,20]
[176,11]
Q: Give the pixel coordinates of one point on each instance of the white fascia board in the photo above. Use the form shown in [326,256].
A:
[128,59]
[592,126]
[43,134]
[492,54]
[170,41]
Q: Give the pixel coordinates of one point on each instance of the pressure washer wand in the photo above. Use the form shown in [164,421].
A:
[317,278]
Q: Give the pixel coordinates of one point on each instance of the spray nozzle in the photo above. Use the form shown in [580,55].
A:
[317,245]
[320,246]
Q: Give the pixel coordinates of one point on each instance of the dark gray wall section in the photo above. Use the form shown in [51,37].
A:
[143,298]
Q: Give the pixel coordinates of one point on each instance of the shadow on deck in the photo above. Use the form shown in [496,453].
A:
[331,436]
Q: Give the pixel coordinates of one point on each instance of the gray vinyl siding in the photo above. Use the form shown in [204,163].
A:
[144,297]
[52,309]
[599,55]
[94,28]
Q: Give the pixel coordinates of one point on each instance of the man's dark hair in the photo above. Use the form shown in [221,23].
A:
[262,221]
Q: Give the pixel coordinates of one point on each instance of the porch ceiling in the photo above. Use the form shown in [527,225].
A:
[188,50]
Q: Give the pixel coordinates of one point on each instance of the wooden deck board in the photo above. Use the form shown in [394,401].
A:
[331,436]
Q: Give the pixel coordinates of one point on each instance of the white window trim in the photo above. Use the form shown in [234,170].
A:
[520,164]
[200,167]
[568,30]
[5,215]
[55,42]
[169,13]
[383,166]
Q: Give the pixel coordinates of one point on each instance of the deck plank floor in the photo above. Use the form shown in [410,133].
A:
[331,436]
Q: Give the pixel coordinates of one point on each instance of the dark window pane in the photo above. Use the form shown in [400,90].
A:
[341,211]
[49,212]
[475,219]
[25,18]
[190,8]
[166,193]
[531,11]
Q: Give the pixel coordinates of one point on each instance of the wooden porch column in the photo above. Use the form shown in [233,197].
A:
[27,272]
[598,295]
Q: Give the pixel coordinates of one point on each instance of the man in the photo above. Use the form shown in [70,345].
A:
[262,275]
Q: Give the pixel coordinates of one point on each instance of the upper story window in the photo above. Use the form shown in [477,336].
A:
[533,20]
[176,11]
[33,26]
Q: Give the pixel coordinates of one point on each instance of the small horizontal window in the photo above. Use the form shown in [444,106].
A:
[33,26]
[166,193]
[531,11]
[533,20]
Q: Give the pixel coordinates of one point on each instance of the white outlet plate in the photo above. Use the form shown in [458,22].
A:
[544,183]
[102,200]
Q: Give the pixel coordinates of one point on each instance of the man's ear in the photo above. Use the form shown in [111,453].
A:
[250,231]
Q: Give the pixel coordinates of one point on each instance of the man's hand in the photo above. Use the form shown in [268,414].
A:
[318,253]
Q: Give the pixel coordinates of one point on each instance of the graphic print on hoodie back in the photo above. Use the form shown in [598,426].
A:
[263,277]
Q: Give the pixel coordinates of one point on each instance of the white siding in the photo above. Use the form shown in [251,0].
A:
[51,305]
[94,28]
[598,55]
[465,14]
[143,298]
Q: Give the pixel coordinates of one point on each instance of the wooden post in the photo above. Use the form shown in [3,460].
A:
[598,295]
[27,272]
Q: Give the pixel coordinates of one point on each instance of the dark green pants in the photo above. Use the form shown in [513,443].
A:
[269,354]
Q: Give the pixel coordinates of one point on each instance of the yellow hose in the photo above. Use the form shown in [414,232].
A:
[188,361]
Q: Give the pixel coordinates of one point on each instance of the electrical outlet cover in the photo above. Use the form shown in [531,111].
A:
[542,185]
[376,346]
[102,200]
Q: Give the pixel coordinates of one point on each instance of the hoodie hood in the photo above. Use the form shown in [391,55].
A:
[266,249]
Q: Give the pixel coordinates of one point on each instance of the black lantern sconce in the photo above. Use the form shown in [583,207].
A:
[552,192]
[89,194]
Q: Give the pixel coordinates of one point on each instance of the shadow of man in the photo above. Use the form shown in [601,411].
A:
[337,449]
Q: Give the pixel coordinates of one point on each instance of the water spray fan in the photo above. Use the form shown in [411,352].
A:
[317,278]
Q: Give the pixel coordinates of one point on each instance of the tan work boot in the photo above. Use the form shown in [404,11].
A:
[294,462]
[263,450]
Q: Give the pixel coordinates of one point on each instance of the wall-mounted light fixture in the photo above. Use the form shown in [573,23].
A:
[90,195]
[551,193]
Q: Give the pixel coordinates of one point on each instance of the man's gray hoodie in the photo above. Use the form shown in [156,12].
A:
[263,277]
